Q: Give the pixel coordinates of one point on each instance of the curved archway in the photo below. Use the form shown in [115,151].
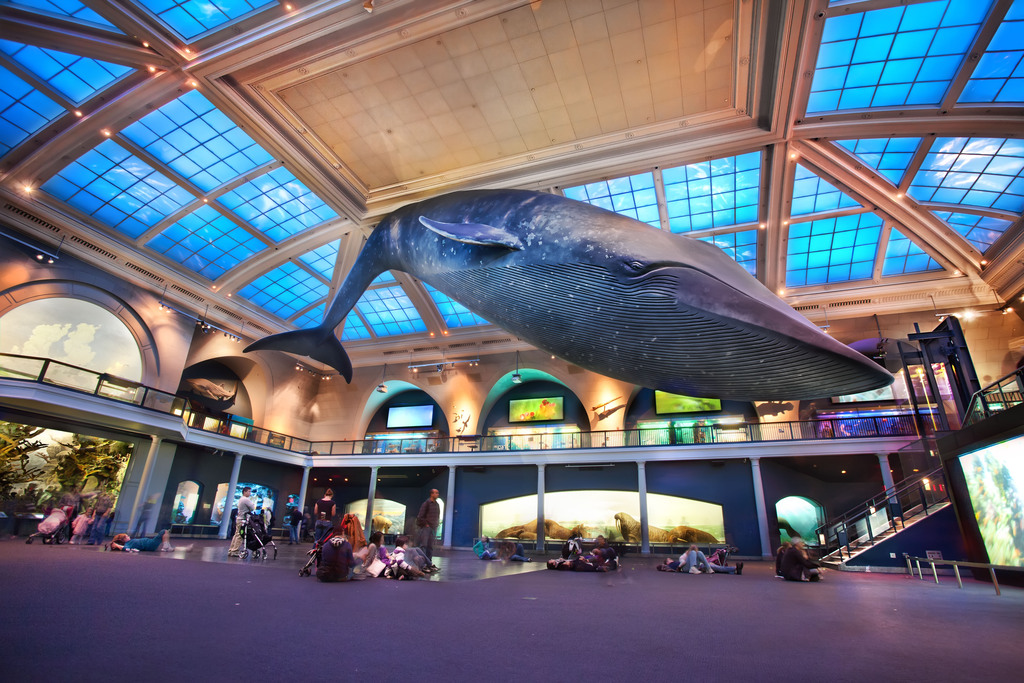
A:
[145,342]
[799,517]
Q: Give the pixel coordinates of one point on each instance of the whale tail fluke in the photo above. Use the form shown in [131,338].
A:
[315,343]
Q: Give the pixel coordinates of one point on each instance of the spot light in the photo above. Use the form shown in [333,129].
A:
[368,6]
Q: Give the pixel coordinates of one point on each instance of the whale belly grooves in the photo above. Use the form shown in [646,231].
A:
[644,332]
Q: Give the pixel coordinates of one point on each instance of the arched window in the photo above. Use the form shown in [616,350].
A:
[799,517]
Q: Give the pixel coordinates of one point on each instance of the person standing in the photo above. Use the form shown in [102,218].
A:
[294,519]
[426,521]
[323,512]
[245,508]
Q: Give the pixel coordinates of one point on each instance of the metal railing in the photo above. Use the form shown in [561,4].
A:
[56,373]
[1004,393]
[956,569]
[890,510]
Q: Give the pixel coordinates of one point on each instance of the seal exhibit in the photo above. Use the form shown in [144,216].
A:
[603,291]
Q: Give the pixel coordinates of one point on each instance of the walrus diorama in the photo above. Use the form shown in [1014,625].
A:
[629,529]
[645,306]
[552,529]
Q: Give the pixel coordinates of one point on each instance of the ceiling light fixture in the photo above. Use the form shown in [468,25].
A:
[383,388]
[368,6]
[516,377]
[41,254]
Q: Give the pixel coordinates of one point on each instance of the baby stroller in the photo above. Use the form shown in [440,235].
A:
[257,539]
[314,554]
[56,528]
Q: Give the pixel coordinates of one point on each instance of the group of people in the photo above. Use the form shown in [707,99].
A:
[694,561]
[602,558]
[507,551]
[792,562]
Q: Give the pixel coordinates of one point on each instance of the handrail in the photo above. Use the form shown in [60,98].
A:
[897,504]
[956,569]
[981,408]
[74,378]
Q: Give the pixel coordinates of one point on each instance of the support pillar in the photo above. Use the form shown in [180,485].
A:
[883,462]
[541,536]
[303,489]
[140,494]
[762,511]
[225,519]
[645,534]
[449,508]
[371,495]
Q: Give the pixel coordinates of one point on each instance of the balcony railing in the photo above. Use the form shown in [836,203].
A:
[1002,394]
[56,373]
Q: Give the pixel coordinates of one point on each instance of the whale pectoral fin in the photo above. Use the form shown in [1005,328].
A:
[474,233]
[315,343]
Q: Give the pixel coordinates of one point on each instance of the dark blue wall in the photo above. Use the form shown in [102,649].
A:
[939,531]
[481,485]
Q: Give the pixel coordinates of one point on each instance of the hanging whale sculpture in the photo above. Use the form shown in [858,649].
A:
[600,290]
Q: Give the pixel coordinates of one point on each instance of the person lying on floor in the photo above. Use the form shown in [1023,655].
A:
[693,561]
[161,541]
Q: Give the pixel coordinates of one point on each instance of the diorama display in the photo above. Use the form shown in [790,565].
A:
[389,516]
[536,409]
[262,496]
[995,484]
[186,498]
[799,518]
[671,404]
[43,467]
[612,514]
[645,306]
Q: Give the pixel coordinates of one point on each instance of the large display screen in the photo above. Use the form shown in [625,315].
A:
[410,416]
[995,484]
[535,409]
[669,404]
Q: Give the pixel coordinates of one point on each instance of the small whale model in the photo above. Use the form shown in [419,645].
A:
[600,290]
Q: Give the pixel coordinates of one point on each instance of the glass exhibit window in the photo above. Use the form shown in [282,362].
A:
[893,56]
[388,311]
[192,18]
[118,189]
[263,497]
[186,498]
[984,172]
[632,196]
[388,516]
[832,249]
[799,517]
[452,312]
[207,242]
[75,332]
[23,110]
[713,194]
[277,204]
[75,77]
[537,437]
[197,141]
[981,231]
[741,247]
[995,484]
[285,291]
[322,259]
[889,156]
[903,256]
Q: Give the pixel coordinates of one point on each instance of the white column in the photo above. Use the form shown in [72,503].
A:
[370,496]
[540,507]
[883,463]
[762,511]
[645,534]
[449,508]
[303,489]
[147,472]
[225,519]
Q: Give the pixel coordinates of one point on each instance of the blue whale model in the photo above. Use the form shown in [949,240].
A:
[601,290]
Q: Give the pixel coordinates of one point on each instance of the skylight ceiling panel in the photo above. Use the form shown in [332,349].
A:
[832,250]
[118,189]
[323,259]
[285,291]
[354,328]
[71,9]
[980,231]
[206,242]
[24,110]
[192,18]
[311,318]
[903,256]
[889,156]
[812,194]
[388,311]
[452,312]
[277,204]
[632,196]
[75,77]
[998,77]
[983,172]
[740,246]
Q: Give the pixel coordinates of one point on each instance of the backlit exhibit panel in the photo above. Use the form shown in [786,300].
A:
[389,516]
[612,514]
[410,416]
[666,403]
[262,497]
[798,518]
[535,409]
[995,483]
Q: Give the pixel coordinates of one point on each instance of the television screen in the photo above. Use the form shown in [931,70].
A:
[883,394]
[995,484]
[410,416]
[666,403]
[535,409]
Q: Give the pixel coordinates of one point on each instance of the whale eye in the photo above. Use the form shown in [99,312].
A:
[636,265]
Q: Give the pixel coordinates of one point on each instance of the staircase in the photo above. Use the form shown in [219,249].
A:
[883,516]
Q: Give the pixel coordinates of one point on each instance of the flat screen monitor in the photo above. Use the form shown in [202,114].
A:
[535,409]
[410,416]
[995,485]
[669,404]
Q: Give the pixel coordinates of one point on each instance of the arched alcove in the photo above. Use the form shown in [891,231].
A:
[799,517]
[212,387]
